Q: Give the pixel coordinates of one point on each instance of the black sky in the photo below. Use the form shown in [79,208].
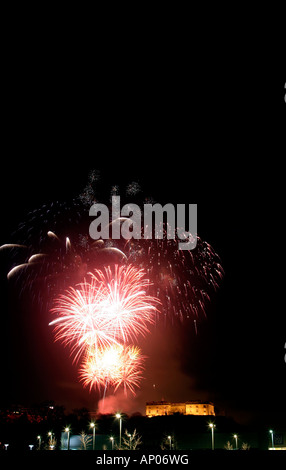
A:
[215,140]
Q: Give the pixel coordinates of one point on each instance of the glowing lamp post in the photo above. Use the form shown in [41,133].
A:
[212,426]
[92,425]
[112,439]
[235,437]
[118,416]
[40,441]
[50,434]
[170,440]
[67,430]
[272,439]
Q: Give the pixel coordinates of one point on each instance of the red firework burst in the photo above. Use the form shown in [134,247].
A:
[113,366]
[99,317]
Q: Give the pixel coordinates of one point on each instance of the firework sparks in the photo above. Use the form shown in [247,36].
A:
[60,263]
[183,280]
[113,366]
[102,316]
[112,307]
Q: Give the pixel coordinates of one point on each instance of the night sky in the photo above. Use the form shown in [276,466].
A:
[217,142]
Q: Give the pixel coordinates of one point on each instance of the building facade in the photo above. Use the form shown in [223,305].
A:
[165,408]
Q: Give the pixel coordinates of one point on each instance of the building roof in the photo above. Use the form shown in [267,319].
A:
[189,402]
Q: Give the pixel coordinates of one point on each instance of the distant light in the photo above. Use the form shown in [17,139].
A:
[118,415]
[67,429]
[92,425]
[111,438]
[270,430]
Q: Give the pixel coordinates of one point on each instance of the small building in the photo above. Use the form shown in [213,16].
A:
[165,408]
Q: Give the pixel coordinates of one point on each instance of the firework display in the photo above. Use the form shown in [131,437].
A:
[100,317]
[106,294]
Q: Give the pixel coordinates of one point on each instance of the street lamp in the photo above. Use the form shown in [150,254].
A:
[92,425]
[118,416]
[50,434]
[40,441]
[235,437]
[212,426]
[170,439]
[112,439]
[67,430]
[272,439]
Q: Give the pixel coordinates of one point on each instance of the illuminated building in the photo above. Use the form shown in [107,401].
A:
[165,408]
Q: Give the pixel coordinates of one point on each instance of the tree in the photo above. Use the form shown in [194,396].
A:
[52,442]
[131,441]
[245,446]
[228,446]
[85,440]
